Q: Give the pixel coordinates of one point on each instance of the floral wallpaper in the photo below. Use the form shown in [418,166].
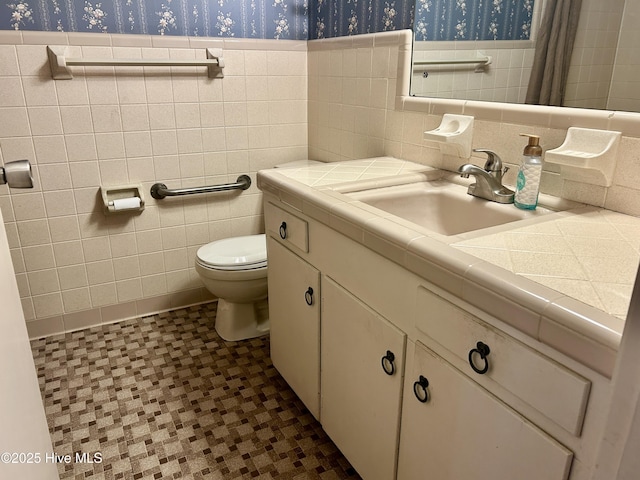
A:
[473,19]
[338,18]
[279,19]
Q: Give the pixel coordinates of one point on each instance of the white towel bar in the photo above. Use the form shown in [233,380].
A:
[456,61]
[60,63]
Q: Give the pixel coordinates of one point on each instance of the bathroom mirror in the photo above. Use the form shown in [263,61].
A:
[484,51]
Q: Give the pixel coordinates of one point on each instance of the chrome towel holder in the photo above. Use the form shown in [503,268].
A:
[160,190]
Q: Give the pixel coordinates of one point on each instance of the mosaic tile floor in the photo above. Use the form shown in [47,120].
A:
[164,397]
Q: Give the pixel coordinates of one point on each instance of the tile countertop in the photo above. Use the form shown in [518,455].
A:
[571,272]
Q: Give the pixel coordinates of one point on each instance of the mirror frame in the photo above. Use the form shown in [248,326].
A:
[536,115]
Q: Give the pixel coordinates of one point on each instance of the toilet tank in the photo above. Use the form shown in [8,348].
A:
[298,164]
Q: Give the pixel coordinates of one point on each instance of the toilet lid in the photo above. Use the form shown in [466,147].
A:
[235,253]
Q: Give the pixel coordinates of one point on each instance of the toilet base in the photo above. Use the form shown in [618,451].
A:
[240,321]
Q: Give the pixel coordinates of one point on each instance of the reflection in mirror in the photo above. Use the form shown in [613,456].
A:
[485,51]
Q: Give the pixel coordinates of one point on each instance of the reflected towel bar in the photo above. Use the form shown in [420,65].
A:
[60,63]
[456,61]
[480,62]
[160,190]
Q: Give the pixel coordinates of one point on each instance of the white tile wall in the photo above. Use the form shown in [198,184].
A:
[277,103]
[504,80]
[625,85]
[340,124]
[112,126]
[594,54]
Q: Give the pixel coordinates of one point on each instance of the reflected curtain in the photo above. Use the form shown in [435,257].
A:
[554,45]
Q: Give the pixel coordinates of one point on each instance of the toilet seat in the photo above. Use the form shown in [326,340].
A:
[236,253]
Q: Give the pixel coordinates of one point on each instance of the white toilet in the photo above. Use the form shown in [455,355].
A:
[235,270]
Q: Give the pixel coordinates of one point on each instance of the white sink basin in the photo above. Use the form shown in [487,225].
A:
[443,207]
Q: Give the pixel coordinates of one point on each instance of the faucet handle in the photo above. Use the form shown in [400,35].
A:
[493,163]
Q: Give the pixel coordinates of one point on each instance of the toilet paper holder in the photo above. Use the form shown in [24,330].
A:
[122,198]
[16,174]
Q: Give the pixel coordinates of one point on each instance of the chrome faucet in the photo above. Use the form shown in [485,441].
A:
[488,180]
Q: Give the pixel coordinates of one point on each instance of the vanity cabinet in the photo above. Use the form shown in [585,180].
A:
[454,429]
[362,371]
[533,414]
[294,317]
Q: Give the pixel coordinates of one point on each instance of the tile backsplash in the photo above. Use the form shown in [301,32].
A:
[74,265]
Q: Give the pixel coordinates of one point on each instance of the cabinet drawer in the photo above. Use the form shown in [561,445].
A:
[459,431]
[550,388]
[286,227]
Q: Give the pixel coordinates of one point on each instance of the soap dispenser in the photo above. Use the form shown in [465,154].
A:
[528,181]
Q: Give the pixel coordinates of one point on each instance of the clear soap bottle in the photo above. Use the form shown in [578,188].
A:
[528,181]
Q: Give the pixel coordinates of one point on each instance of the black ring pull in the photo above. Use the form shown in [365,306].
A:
[483,350]
[420,389]
[387,363]
[308,296]
[283,230]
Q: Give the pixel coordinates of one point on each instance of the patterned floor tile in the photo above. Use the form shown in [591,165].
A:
[164,397]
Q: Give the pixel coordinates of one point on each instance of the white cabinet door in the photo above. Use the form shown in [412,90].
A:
[294,317]
[360,402]
[464,432]
[23,425]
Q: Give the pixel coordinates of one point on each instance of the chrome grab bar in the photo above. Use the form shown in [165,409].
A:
[160,190]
